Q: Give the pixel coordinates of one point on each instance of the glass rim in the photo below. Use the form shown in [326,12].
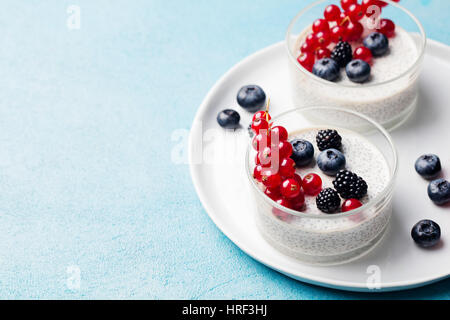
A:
[419,59]
[386,190]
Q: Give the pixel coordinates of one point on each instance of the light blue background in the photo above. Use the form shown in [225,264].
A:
[86,118]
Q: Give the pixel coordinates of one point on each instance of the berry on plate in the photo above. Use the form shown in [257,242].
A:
[426,233]
[251,97]
[327,69]
[349,185]
[439,191]
[350,204]
[358,71]
[377,43]
[290,188]
[328,201]
[428,166]
[342,53]
[302,152]
[261,115]
[362,53]
[331,161]
[260,124]
[328,139]
[228,119]
[312,184]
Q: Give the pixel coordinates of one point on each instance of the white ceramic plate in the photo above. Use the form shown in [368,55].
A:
[397,263]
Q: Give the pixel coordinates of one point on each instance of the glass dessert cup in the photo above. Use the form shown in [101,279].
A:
[319,238]
[388,101]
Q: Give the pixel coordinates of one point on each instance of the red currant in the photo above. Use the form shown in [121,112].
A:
[285,203]
[347,3]
[320,25]
[354,31]
[260,141]
[265,157]
[261,115]
[299,201]
[323,39]
[287,168]
[311,39]
[363,53]
[273,194]
[323,53]
[270,178]
[387,27]
[278,133]
[284,149]
[306,47]
[337,34]
[355,12]
[312,184]
[332,13]
[344,20]
[298,179]
[351,204]
[307,60]
[290,188]
[257,173]
[260,124]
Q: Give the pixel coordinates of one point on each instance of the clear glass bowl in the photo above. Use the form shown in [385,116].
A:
[319,238]
[388,102]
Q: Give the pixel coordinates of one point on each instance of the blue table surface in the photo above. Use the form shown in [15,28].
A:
[88,191]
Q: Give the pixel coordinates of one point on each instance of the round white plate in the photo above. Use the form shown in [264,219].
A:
[217,167]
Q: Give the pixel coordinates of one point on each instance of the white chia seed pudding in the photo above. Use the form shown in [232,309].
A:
[323,239]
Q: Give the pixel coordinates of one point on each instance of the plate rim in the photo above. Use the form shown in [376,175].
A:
[438,49]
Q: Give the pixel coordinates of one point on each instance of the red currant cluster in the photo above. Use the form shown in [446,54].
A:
[342,25]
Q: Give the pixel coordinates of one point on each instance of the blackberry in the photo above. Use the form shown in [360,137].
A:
[328,201]
[342,53]
[349,185]
[328,139]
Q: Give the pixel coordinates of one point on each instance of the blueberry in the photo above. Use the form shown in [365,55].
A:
[302,152]
[439,191]
[428,166]
[251,98]
[426,233]
[327,69]
[330,161]
[377,43]
[358,71]
[228,119]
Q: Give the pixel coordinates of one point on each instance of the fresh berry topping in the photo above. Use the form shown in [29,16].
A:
[290,188]
[439,191]
[261,115]
[328,201]
[307,48]
[251,97]
[387,27]
[257,173]
[312,184]
[273,194]
[284,149]
[345,4]
[278,133]
[307,60]
[358,71]
[351,204]
[342,53]
[270,178]
[349,185]
[264,157]
[302,152]
[328,139]
[355,12]
[260,141]
[428,166]
[287,168]
[331,161]
[322,53]
[320,25]
[298,179]
[344,20]
[362,53]
[285,203]
[354,31]
[332,13]
[228,119]
[327,69]
[377,43]
[337,34]
[299,201]
[311,39]
[260,124]
[323,39]
[426,233]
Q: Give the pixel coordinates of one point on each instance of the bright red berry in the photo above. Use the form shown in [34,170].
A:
[320,25]
[355,12]
[265,157]
[299,201]
[270,178]
[337,34]
[354,31]
[332,13]
[290,188]
[298,179]
[273,194]
[278,133]
[261,115]
[344,20]
[260,124]
[363,53]
[311,39]
[285,203]
[387,27]
[257,173]
[306,47]
[347,3]
[323,53]
[351,204]
[260,141]
[312,184]
[284,149]
[323,39]
[287,168]
[307,60]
